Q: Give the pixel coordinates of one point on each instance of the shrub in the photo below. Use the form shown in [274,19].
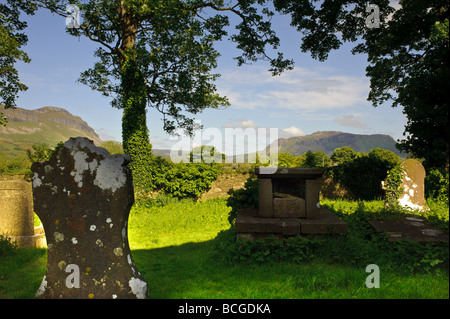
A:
[6,245]
[182,180]
[230,249]
[188,180]
[392,185]
[113,147]
[316,159]
[246,197]
[363,175]
[436,185]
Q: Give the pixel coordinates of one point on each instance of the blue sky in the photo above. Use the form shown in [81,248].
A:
[315,96]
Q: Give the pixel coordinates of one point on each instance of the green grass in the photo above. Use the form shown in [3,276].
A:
[21,272]
[176,248]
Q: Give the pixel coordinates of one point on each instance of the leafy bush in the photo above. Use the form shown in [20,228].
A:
[316,159]
[113,147]
[363,175]
[230,249]
[246,197]
[392,185]
[188,180]
[362,245]
[182,180]
[6,245]
[436,185]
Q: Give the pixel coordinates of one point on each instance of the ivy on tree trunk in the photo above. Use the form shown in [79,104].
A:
[136,142]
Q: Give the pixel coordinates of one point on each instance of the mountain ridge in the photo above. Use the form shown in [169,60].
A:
[328,141]
[47,124]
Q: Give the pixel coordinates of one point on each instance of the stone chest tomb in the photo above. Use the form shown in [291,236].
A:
[289,205]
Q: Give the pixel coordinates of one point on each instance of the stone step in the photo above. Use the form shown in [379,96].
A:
[249,222]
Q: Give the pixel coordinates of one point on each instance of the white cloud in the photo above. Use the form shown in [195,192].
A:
[299,89]
[243,123]
[247,124]
[350,120]
[293,131]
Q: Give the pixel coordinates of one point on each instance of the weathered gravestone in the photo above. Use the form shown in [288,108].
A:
[413,185]
[83,196]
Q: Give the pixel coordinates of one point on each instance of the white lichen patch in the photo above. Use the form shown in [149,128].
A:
[118,251]
[93,165]
[80,166]
[92,228]
[47,169]
[36,180]
[62,265]
[58,237]
[110,173]
[74,241]
[83,142]
[99,242]
[138,287]
[129,259]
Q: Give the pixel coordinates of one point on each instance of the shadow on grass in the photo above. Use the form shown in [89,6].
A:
[21,273]
[189,271]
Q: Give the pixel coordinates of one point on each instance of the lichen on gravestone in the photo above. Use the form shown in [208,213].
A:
[83,196]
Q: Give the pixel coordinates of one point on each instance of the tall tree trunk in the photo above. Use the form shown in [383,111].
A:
[135,137]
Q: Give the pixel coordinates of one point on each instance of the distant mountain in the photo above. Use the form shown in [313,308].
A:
[328,141]
[48,125]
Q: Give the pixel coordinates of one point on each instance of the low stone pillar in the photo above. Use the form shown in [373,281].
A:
[83,196]
[16,210]
[265,194]
[313,198]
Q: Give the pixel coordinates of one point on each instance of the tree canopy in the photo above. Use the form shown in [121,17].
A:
[12,39]
[160,54]
[172,42]
[407,53]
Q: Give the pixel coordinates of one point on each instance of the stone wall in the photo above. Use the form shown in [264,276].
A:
[223,183]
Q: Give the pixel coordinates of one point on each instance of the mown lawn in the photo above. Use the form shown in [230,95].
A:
[176,248]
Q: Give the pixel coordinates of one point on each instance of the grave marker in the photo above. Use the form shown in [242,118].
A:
[413,185]
[83,196]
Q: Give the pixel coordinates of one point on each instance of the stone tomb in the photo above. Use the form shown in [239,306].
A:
[83,196]
[289,205]
[16,212]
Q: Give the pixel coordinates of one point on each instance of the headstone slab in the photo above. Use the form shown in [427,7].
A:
[413,185]
[83,196]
